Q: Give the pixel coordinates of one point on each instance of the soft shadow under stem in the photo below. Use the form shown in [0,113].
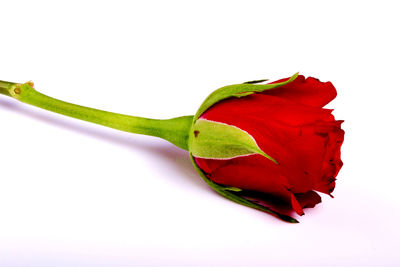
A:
[178,158]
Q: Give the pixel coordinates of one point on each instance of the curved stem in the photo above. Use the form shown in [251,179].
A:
[174,130]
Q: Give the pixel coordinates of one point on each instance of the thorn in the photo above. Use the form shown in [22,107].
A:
[30,83]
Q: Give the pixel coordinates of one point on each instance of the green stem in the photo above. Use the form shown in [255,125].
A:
[174,130]
[4,87]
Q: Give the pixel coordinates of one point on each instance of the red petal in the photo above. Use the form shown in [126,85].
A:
[331,162]
[253,172]
[268,108]
[308,200]
[305,200]
[308,91]
[296,205]
[249,173]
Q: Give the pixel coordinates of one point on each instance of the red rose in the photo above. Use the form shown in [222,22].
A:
[266,146]
[291,126]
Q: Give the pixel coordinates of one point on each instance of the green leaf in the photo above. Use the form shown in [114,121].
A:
[232,195]
[215,140]
[237,90]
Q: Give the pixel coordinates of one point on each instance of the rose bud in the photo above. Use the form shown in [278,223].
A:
[266,146]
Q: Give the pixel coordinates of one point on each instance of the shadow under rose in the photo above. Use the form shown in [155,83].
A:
[176,157]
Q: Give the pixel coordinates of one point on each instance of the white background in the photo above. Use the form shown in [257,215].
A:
[76,194]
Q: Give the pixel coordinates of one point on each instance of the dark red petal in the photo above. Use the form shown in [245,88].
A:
[331,162]
[276,203]
[310,91]
[308,200]
[304,200]
[284,204]
[296,205]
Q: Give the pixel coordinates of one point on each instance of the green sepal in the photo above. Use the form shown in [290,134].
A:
[215,140]
[233,189]
[230,194]
[238,90]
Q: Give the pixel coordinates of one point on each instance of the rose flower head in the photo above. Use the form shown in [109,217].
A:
[269,146]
